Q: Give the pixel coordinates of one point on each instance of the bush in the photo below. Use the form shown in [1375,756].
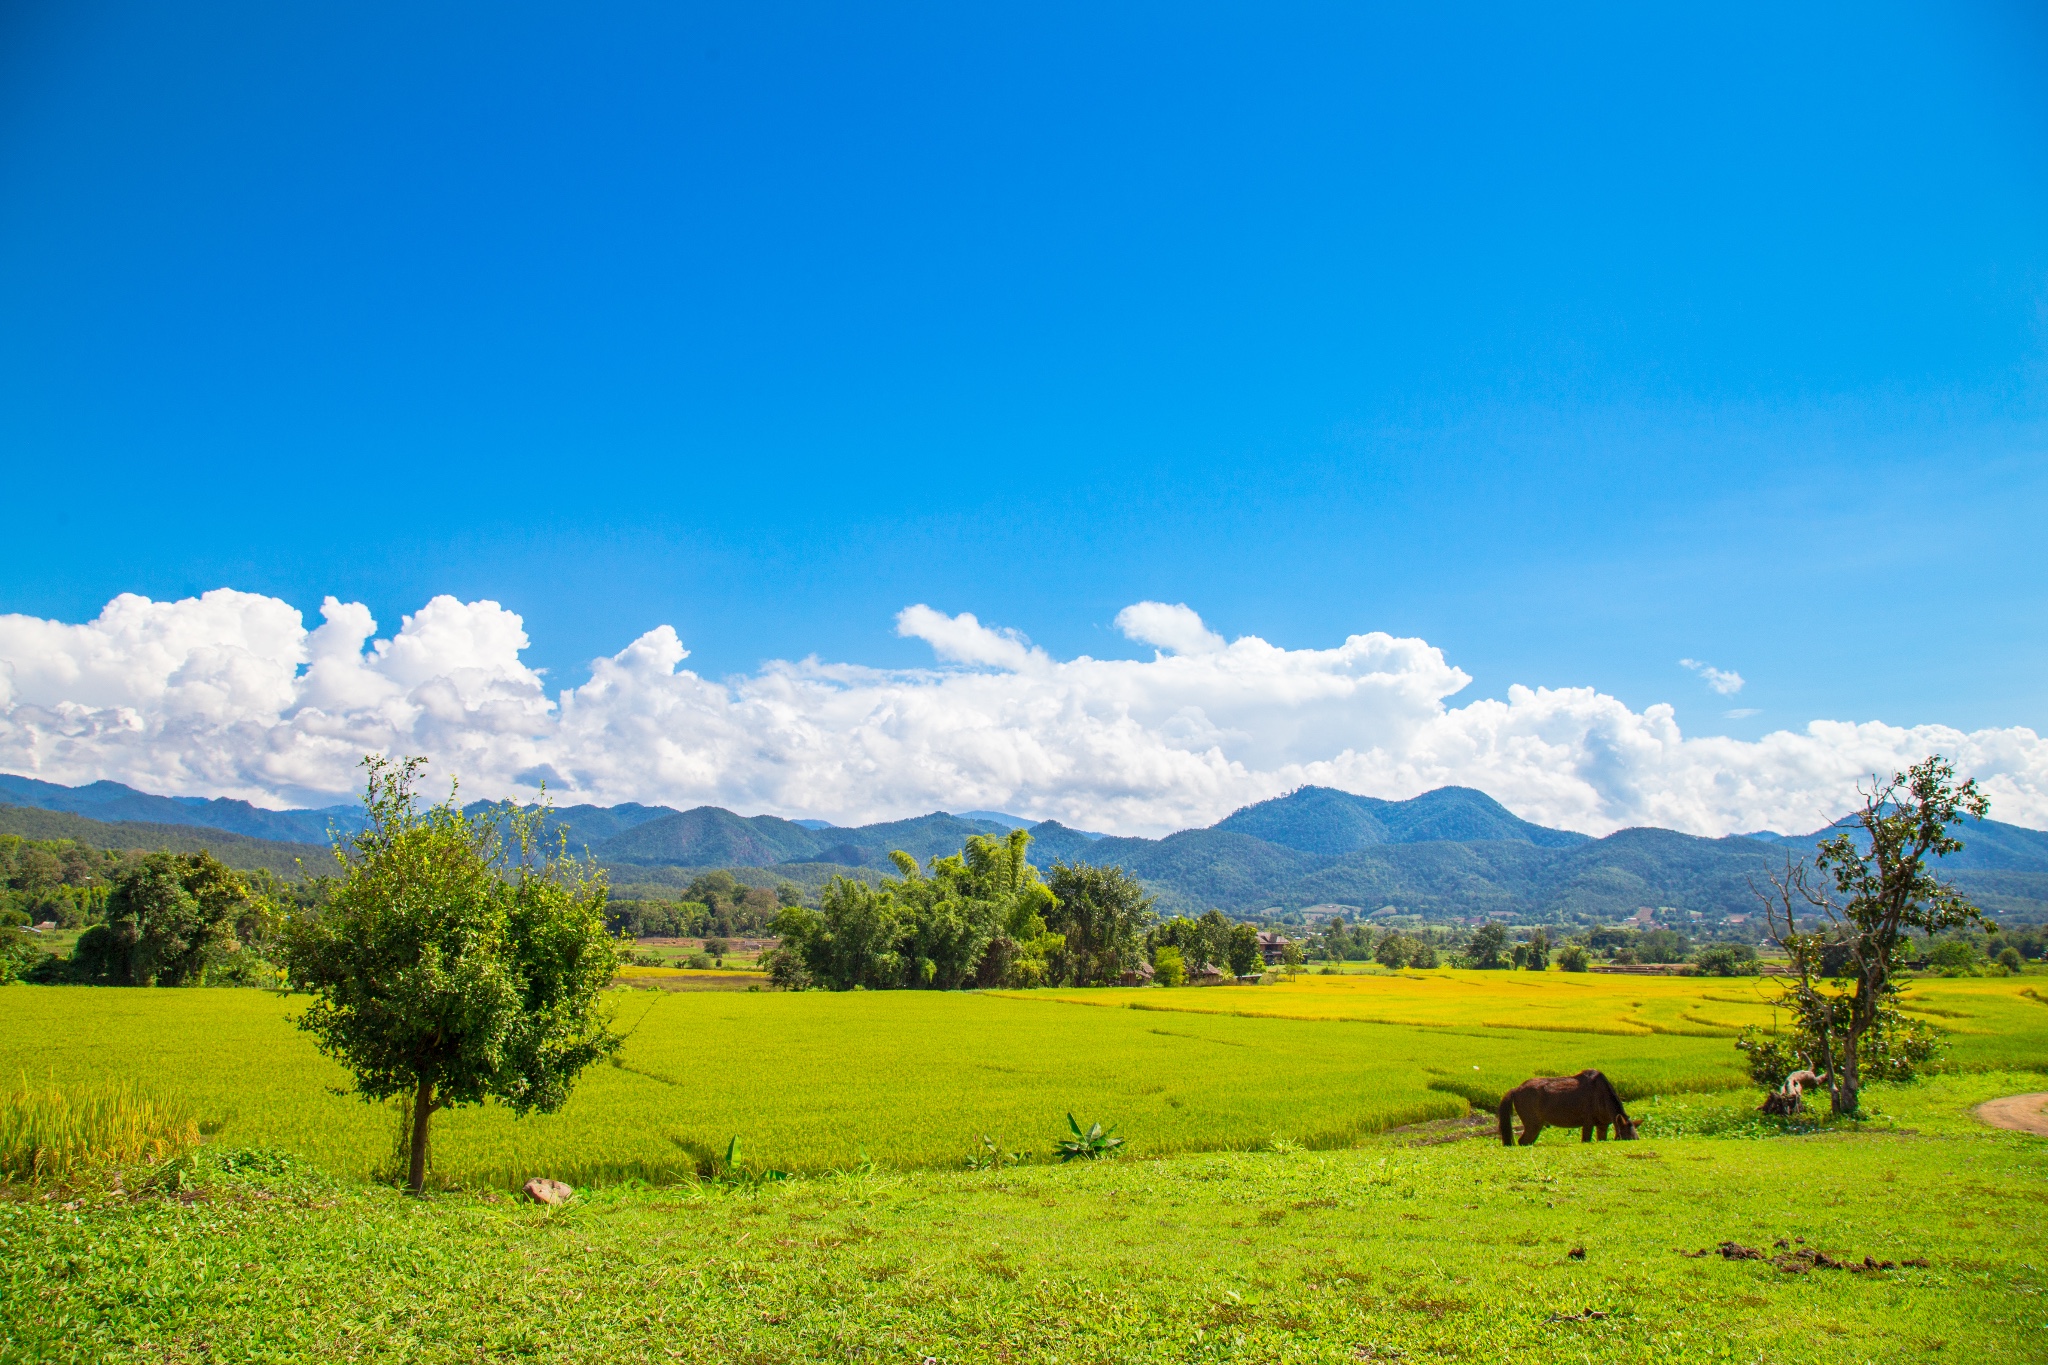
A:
[1662,945]
[1769,1057]
[19,955]
[245,967]
[2009,958]
[786,971]
[1571,958]
[1395,950]
[1424,957]
[699,962]
[1169,968]
[1727,959]
[1953,956]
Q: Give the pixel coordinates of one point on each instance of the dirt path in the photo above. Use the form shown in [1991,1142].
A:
[2021,1113]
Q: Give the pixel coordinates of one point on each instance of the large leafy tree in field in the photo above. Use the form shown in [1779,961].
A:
[1102,913]
[453,964]
[1487,949]
[1846,917]
[169,919]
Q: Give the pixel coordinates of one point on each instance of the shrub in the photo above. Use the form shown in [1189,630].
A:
[1662,945]
[698,962]
[1571,958]
[1424,957]
[1394,950]
[245,967]
[1169,968]
[2009,958]
[786,971]
[1727,959]
[57,1137]
[1769,1057]
[1953,955]
[19,955]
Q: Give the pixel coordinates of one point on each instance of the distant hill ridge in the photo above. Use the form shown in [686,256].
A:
[1453,851]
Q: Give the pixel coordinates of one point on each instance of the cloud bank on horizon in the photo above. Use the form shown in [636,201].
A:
[229,694]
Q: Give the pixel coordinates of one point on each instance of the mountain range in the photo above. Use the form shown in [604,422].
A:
[1449,853]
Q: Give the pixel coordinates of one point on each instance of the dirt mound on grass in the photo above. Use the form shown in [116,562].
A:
[2020,1113]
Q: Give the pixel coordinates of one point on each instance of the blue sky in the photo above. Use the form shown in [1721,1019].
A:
[1575,342]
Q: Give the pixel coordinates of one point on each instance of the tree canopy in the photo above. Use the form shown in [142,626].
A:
[170,918]
[451,965]
[1847,916]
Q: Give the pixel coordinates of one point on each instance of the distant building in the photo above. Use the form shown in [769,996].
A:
[1272,947]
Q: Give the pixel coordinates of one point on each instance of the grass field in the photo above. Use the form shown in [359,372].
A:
[818,1081]
[1387,1252]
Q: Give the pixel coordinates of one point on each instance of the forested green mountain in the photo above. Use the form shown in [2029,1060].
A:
[1326,821]
[113,802]
[236,850]
[1450,853]
[711,837]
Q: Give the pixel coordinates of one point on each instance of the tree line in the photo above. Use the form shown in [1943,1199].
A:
[169,919]
[714,905]
[981,917]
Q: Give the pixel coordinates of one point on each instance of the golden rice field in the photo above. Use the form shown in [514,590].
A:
[1992,1021]
[914,1079]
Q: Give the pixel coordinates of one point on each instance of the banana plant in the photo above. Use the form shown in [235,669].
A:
[1092,1145]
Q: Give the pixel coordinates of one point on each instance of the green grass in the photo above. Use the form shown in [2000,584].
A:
[1384,1252]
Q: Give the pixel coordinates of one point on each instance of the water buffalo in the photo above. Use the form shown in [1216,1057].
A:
[1586,1101]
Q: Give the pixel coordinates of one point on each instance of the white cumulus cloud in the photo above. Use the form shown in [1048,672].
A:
[230,694]
[1176,628]
[1727,682]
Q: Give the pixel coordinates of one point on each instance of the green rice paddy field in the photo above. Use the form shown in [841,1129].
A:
[818,1081]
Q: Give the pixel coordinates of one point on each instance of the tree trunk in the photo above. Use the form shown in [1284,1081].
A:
[1843,1088]
[422,1112]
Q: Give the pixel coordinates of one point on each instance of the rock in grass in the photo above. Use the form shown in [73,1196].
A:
[541,1190]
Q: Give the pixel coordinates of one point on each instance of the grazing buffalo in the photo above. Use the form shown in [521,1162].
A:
[1586,1101]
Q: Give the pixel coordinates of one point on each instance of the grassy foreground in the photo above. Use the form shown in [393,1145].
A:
[1458,1251]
